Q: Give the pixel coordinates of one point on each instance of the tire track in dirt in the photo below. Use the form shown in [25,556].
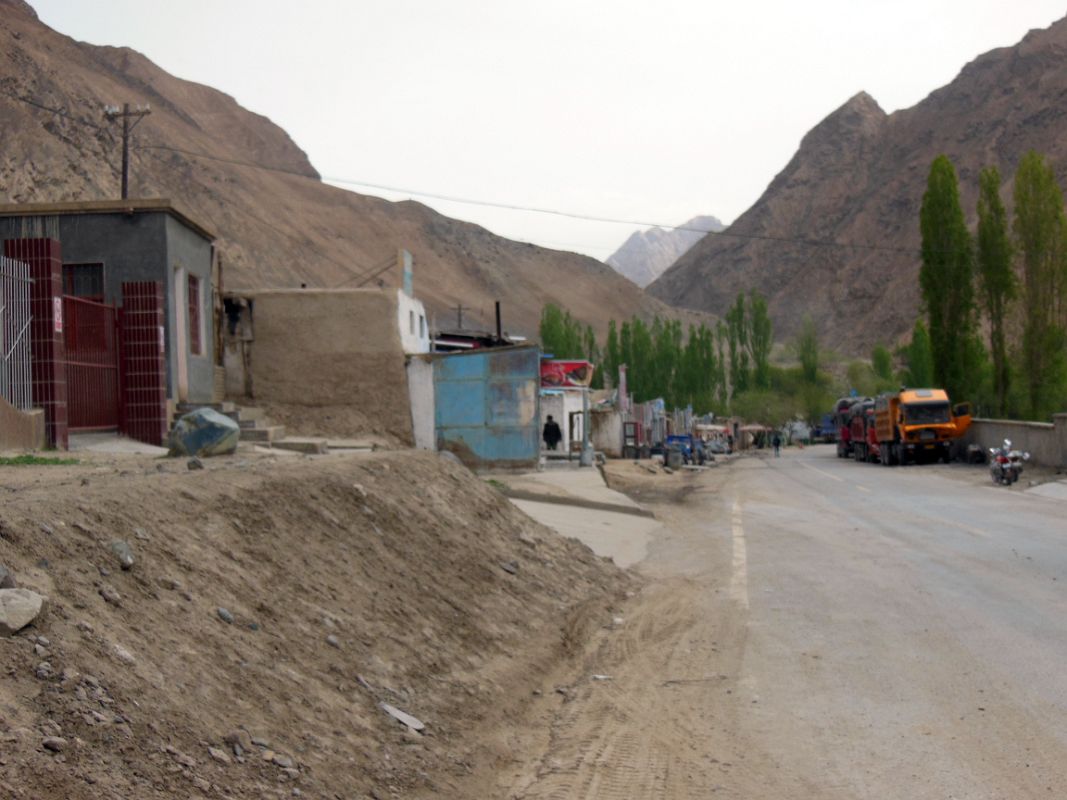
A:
[663,727]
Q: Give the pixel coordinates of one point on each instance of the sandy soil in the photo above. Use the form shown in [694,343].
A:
[441,599]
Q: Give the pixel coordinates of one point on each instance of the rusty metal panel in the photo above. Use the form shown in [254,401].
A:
[486,407]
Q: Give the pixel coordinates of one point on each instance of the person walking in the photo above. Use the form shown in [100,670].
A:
[777,442]
[551,434]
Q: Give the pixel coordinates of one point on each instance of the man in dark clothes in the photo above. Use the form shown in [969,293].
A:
[551,434]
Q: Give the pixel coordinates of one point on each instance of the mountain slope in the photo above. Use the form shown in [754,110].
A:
[857,181]
[645,255]
[278,226]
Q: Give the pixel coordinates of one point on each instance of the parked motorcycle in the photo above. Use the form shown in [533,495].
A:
[1005,464]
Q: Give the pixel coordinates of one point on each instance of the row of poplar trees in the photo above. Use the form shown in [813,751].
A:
[703,369]
[1011,274]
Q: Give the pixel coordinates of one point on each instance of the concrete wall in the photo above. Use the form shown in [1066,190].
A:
[332,349]
[607,432]
[1046,443]
[21,430]
[412,323]
[191,254]
[421,393]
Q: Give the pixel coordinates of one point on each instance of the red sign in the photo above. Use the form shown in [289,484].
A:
[57,313]
[566,373]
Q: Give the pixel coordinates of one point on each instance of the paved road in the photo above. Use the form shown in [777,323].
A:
[817,628]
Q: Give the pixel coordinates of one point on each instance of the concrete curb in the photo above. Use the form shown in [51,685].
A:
[559,500]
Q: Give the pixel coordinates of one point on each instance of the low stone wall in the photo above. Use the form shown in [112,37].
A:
[20,430]
[1046,442]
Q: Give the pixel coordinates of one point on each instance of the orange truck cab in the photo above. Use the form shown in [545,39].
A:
[918,424]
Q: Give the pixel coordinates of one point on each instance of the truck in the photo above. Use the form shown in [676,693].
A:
[862,436]
[843,424]
[918,425]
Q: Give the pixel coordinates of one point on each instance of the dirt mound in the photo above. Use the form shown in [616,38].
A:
[282,602]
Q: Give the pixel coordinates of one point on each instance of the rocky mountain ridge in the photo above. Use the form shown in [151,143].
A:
[836,233]
[242,176]
[645,255]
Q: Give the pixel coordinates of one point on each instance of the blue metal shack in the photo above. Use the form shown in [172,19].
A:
[486,408]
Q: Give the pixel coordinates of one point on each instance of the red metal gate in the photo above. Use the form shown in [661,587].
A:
[91,340]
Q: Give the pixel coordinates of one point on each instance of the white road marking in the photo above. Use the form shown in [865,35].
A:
[821,472]
[863,488]
[739,578]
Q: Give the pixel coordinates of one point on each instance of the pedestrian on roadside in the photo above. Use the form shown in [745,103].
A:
[777,442]
[551,434]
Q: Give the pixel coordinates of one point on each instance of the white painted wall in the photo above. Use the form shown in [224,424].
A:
[413,324]
[561,405]
[420,391]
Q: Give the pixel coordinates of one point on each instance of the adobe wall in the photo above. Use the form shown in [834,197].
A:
[20,430]
[334,355]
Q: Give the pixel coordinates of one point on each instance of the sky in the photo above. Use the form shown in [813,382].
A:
[644,112]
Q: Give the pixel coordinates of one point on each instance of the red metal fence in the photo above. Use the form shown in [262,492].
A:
[144,375]
[90,336]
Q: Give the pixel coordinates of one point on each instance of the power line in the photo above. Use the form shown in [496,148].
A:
[550,211]
[824,243]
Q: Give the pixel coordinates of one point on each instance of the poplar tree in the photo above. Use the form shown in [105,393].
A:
[808,350]
[737,339]
[760,334]
[947,282]
[1040,231]
[996,279]
[918,359]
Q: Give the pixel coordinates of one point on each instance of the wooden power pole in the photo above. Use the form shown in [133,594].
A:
[111,113]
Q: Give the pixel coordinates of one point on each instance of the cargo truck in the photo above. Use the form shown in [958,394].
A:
[917,425]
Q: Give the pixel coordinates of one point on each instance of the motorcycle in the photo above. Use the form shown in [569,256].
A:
[1005,464]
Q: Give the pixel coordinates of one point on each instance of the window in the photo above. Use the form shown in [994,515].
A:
[85,281]
[422,326]
[194,316]
[411,322]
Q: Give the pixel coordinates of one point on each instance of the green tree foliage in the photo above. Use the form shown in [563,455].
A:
[737,339]
[612,354]
[918,359]
[1040,232]
[807,347]
[882,363]
[947,282]
[996,279]
[561,334]
[760,339]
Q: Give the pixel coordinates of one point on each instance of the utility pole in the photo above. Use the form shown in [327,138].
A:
[459,316]
[111,113]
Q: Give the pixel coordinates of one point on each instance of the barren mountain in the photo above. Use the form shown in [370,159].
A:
[238,173]
[836,234]
[645,255]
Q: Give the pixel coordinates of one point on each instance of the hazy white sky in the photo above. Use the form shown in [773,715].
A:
[648,111]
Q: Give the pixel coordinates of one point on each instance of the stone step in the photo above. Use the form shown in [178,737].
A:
[301,444]
[349,444]
[250,413]
[264,435]
[226,407]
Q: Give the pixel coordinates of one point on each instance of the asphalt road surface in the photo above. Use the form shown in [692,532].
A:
[818,628]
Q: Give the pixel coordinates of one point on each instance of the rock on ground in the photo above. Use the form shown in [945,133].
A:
[18,608]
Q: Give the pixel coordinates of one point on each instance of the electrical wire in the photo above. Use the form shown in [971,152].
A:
[823,243]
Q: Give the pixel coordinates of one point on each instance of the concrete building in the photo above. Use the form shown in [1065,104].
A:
[105,243]
[122,312]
